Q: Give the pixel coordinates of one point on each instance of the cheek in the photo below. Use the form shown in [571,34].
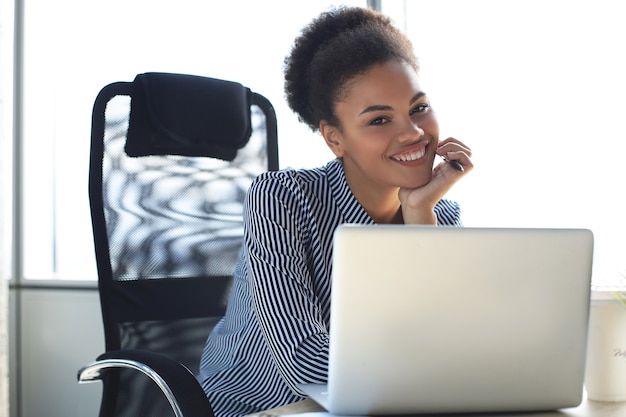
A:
[362,143]
[431,126]
[372,146]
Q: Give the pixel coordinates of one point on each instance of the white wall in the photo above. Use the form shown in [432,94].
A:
[60,331]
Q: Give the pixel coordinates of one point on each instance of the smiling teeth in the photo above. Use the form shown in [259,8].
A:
[412,156]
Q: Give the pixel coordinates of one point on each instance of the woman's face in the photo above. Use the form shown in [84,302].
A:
[388,133]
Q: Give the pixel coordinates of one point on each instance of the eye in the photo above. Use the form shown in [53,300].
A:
[421,108]
[379,121]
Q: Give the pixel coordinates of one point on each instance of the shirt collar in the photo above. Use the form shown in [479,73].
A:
[351,209]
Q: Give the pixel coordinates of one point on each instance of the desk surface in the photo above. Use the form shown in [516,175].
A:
[586,409]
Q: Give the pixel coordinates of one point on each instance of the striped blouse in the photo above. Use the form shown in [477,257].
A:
[275,332]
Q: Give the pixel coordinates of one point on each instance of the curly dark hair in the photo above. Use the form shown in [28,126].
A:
[335,47]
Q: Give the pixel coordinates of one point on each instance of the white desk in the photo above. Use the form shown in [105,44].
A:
[586,409]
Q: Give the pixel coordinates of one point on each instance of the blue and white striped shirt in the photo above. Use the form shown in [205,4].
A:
[275,332]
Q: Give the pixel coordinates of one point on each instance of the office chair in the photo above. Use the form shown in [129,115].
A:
[172,156]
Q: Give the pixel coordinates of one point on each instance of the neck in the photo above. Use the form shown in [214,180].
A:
[380,201]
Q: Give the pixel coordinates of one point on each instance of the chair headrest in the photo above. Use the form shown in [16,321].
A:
[179,114]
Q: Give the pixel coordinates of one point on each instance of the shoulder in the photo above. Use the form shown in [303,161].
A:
[296,180]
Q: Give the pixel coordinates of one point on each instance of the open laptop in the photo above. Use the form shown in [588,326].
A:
[431,319]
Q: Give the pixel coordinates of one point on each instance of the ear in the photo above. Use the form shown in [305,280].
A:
[332,136]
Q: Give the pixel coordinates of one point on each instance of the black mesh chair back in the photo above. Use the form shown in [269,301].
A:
[172,157]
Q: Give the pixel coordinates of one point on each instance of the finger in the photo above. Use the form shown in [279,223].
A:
[452,144]
[453,140]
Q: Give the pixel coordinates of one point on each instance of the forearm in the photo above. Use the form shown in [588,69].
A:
[284,299]
[291,322]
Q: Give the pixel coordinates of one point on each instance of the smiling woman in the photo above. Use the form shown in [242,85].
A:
[353,75]
[388,136]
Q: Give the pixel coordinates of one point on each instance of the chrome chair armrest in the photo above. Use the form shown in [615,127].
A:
[179,386]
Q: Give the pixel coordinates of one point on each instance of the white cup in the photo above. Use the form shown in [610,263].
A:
[605,376]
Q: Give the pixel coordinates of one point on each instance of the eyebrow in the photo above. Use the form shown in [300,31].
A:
[379,107]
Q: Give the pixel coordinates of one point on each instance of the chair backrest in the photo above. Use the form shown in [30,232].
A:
[172,157]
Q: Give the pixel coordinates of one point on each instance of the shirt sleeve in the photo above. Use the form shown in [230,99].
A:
[278,243]
[448,213]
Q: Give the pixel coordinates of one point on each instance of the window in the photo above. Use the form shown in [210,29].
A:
[536,89]
[6,106]
[68,57]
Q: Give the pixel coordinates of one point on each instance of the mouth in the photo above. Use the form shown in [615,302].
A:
[410,155]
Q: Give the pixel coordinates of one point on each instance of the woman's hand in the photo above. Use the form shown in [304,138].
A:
[418,203]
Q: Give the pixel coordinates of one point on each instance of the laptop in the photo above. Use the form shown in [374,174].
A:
[429,319]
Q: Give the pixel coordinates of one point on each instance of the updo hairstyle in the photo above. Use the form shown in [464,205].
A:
[334,48]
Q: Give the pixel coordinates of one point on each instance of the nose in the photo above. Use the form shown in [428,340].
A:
[410,131]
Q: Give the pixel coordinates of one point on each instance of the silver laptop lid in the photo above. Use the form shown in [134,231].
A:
[443,319]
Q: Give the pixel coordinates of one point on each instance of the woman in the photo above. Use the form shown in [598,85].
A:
[353,76]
